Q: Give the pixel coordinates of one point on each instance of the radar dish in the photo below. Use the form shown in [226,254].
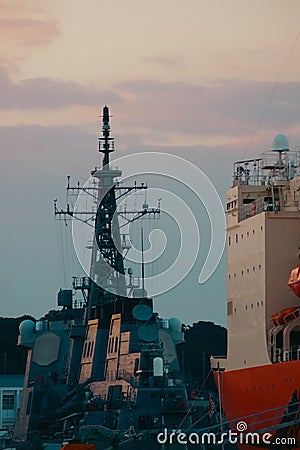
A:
[142,312]
[175,324]
[280,143]
[27,327]
[148,333]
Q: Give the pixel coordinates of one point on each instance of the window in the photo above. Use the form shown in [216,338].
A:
[136,365]
[92,348]
[88,353]
[116,344]
[236,238]
[8,401]
[229,240]
[229,308]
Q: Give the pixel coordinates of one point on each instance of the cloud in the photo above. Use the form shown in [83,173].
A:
[226,108]
[48,94]
[26,23]
[227,112]
[165,60]
[28,31]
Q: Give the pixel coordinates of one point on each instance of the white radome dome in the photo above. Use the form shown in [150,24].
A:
[175,324]
[27,327]
[280,143]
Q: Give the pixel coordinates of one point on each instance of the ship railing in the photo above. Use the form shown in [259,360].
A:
[256,172]
[261,421]
[126,376]
[258,206]
[281,355]
[286,166]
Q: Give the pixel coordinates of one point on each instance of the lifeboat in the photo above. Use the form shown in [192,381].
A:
[275,319]
[294,280]
[285,316]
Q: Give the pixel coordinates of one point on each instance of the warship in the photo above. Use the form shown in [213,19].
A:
[105,371]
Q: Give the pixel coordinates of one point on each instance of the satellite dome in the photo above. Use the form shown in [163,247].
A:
[27,327]
[175,324]
[280,143]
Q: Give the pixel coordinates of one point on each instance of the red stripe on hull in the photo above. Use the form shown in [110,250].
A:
[246,392]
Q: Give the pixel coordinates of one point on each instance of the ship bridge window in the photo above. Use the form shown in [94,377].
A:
[116,344]
[247,201]
[8,401]
[92,348]
[89,349]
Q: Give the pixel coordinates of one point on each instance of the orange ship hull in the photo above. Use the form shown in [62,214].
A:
[255,391]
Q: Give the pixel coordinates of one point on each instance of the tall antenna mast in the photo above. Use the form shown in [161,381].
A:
[106,144]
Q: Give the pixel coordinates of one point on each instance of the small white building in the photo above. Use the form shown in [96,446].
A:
[11,387]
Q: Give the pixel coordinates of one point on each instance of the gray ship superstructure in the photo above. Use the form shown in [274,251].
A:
[107,371]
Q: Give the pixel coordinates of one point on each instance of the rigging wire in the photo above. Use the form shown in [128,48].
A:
[194,402]
[272,93]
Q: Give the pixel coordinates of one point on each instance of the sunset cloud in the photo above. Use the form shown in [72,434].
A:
[166,113]
[230,107]
[48,94]
[28,31]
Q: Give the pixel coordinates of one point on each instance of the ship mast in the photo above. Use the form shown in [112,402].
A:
[107,238]
[106,283]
